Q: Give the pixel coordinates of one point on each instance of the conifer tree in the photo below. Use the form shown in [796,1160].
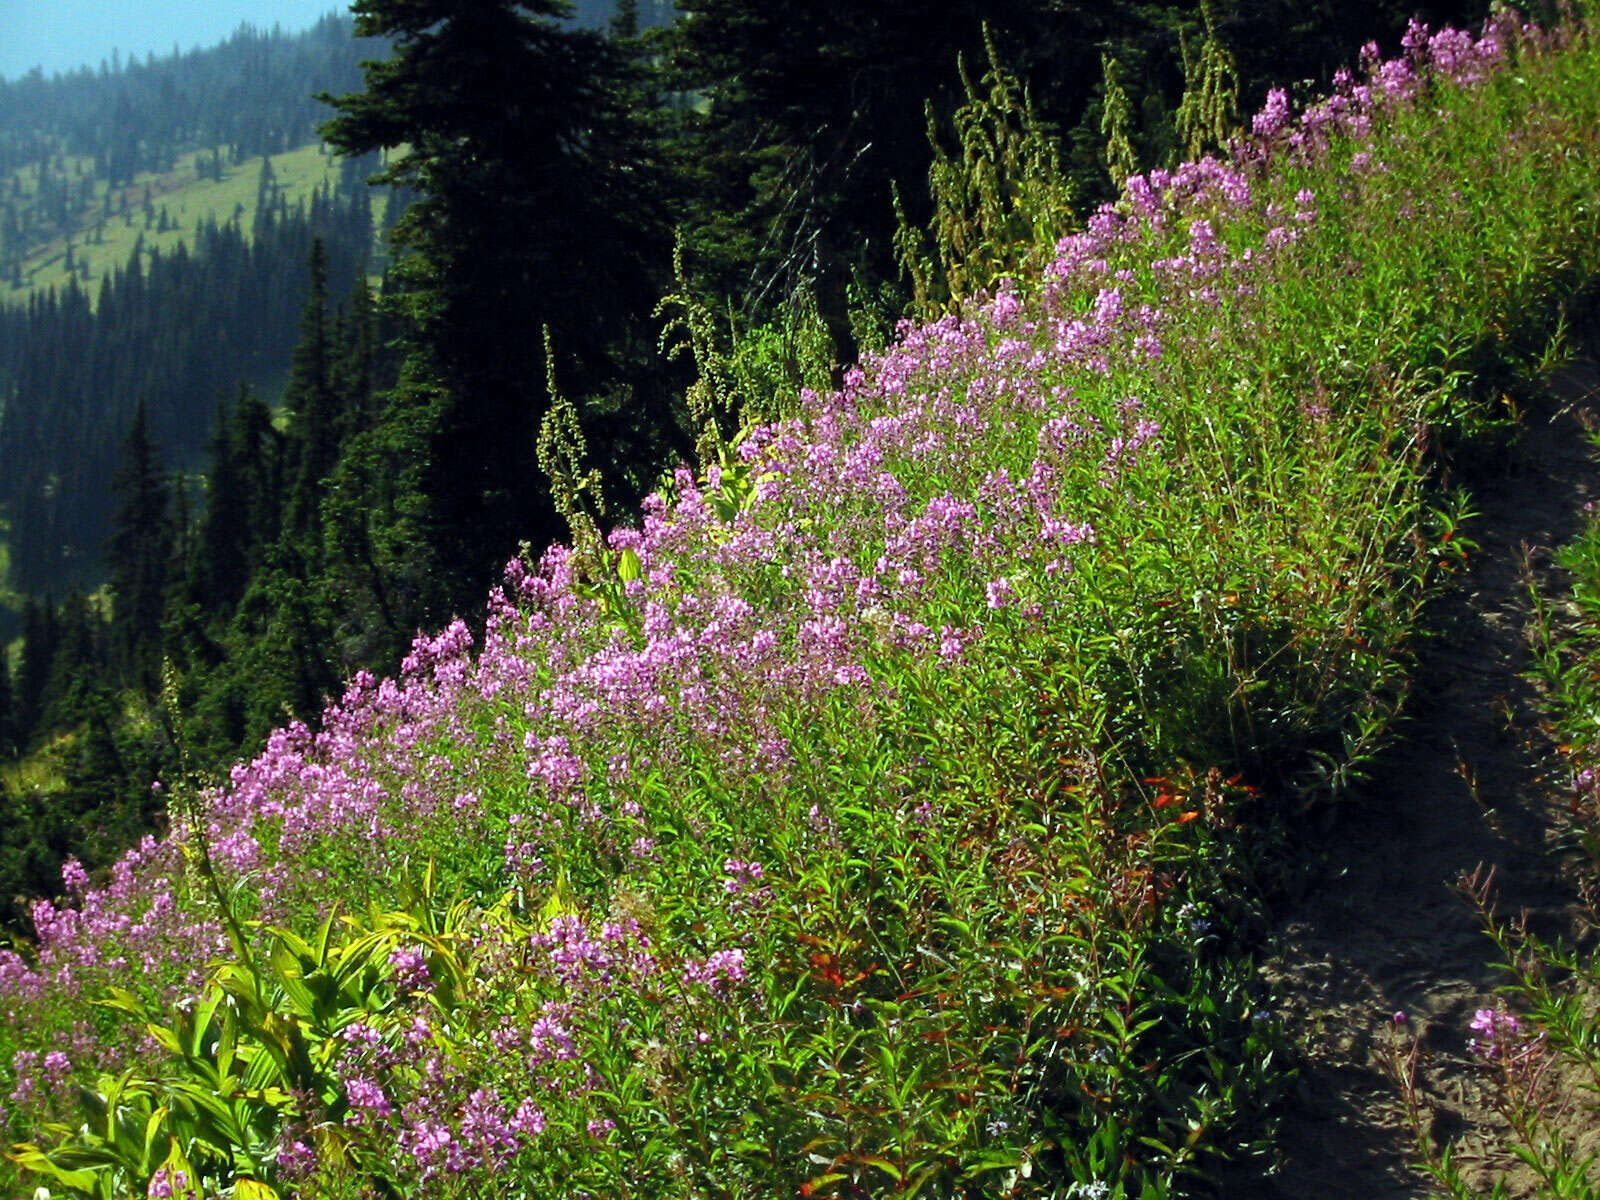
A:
[260,462]
[76,668]
[221,566]
[312,400]
[8,743]
[139,552]
[39,637]
[278,641]
[356,365]
[532,208]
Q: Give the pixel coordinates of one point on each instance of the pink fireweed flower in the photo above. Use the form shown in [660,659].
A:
[528,1122]
[410,967]
[367,1101]
[1001,593]
[717,973]
[1496,1030]
[741,876]
[296,1159]
[74,878]
[1273,117]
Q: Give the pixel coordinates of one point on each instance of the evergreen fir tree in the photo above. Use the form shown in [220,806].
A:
[222,564]
[260,461]
[138,553]
[40,635]
[312,399]
[355,369]
[77,667]
[532,208]
[278,643]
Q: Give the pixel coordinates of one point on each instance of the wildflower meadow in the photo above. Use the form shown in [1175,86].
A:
[872,816]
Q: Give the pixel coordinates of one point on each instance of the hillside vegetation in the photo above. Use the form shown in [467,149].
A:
[78,151]
[154,213]
[278,474]
[874,818]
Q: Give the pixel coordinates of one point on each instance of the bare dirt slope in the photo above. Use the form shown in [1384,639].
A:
[1377,928]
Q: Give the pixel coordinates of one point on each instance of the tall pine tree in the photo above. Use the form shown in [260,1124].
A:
[139,554]
[533,208]
[40,635]
[8,739]
[312,400]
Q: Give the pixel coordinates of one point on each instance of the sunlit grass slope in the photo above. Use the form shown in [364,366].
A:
[863,822]
[104,243]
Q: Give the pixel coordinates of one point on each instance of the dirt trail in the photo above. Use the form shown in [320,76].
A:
[1377,928]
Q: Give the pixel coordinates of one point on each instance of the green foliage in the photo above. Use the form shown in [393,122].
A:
[254,1060]
[1116,124]
[776,361]
[574,484]
[743,376]
[1209,109]
[691,330]
[999,204]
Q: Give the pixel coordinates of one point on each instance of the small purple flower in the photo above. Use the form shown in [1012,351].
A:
[1274,116]
[74,878]
[1495,1028]
[297,1159]
[1001,593]
[410,965]
[367,1100]
[528,1122]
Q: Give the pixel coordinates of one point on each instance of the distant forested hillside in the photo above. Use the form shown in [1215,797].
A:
[175,332]
[69,143]
[151,254]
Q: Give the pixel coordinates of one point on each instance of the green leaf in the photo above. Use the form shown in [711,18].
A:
[125,1001]
[152,1130]
[821,1181]
[166,1038]
[884,1165]
[30,1158]
[561,902]
[205,1014]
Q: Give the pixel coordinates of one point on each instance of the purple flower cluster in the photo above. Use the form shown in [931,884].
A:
[1496,1029]
[172,1185]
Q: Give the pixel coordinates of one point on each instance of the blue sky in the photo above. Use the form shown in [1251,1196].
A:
[60,35]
